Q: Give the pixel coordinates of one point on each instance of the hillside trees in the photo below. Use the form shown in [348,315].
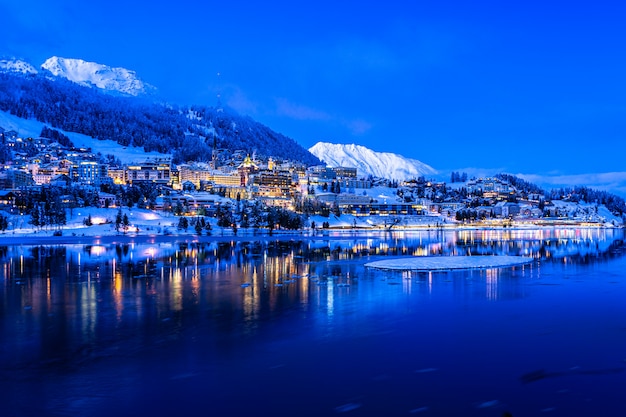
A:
[520,184]
[48,210]
[57,136]
[132,121]
[458,177]
[615,204]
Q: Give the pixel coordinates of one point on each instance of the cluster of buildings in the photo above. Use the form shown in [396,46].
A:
[38,162]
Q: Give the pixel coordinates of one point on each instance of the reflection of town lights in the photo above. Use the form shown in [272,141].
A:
[98,250]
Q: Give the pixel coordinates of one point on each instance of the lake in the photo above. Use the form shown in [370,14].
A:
[293,326]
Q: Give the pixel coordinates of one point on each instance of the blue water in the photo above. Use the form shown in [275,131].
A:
[300,327]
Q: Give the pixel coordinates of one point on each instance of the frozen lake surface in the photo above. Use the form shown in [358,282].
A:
[290,327]
[441,263]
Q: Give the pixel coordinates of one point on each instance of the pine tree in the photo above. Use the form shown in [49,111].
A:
[183,223]
[125,222]
[118,220]
[4,224]
[35,216]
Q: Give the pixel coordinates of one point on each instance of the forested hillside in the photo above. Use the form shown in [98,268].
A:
[579,194]
[187,133]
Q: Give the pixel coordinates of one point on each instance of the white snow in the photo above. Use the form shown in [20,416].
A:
[91,74]
[368,162]
[32,128]
[17,65]
[126,154]
[26,128]
[434,263]
[103,223]
[586,211]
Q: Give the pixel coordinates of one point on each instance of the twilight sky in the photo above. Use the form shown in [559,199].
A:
[531,87]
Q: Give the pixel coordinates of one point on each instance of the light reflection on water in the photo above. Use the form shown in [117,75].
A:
[156,316]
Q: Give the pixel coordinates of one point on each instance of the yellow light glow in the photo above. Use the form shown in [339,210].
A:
[98,250]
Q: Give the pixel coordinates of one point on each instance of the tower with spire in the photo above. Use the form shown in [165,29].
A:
[213,163]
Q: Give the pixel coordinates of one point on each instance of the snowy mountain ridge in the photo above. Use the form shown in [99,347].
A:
[90,74]
[368,162]
[17,65]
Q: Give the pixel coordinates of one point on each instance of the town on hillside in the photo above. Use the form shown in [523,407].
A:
[45,179]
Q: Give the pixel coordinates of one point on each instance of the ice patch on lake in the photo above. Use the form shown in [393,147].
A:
[434,263]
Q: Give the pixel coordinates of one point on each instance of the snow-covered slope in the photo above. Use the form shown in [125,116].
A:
[32,128]
[368,162]
[90,74]
[17,65]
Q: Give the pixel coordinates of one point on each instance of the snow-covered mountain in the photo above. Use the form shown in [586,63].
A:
[90,74]
[16,65]
[368,162]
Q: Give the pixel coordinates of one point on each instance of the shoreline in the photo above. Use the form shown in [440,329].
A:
[70,236]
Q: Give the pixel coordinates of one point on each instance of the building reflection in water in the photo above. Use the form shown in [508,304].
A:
[62,300]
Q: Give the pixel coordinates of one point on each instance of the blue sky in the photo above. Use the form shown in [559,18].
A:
[527,87]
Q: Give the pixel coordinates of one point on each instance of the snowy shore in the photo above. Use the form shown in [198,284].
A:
[147,225]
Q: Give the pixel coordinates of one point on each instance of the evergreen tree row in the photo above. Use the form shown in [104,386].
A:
[132,121]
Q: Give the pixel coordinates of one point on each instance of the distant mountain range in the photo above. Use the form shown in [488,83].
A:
[17,66]
[115,80]
[66,93]
[77,96]
[368,162]
[88,74]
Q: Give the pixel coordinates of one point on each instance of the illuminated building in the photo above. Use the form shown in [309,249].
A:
[157,171]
